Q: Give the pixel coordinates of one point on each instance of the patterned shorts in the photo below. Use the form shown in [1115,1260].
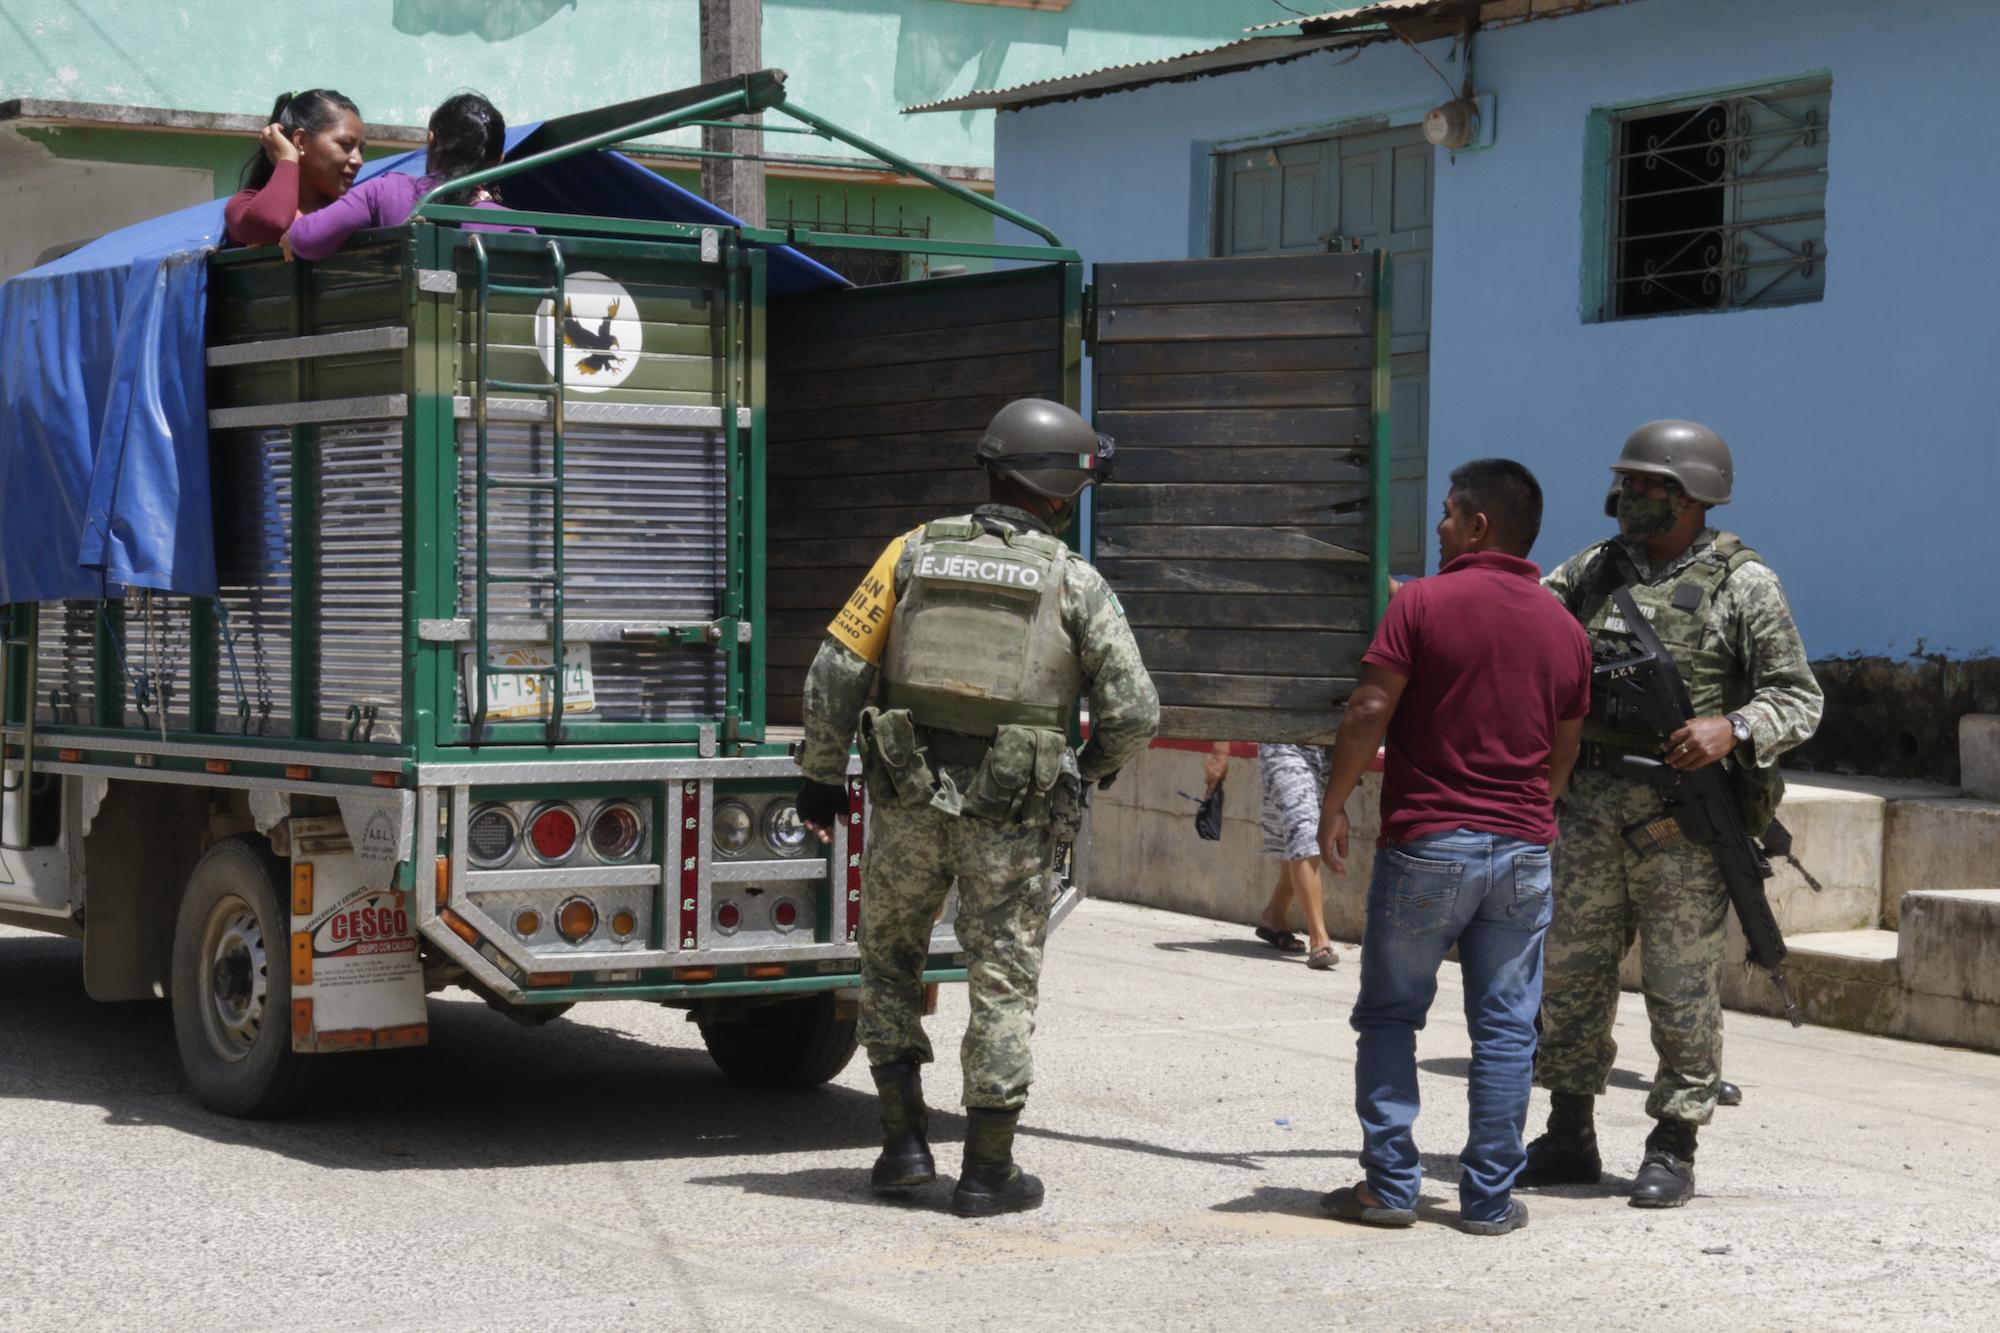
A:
[1294,778]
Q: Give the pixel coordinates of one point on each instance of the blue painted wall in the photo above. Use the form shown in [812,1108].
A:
[1863,426]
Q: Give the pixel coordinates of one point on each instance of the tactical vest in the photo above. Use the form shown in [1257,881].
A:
[977,640]
[1678,609]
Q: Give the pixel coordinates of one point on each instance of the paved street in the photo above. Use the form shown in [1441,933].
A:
[1193,1103]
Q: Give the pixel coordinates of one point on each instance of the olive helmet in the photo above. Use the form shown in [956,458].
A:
[1046,447]
[1684,452]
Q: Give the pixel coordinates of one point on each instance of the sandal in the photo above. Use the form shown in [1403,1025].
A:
[1347,1204]
[1281,940]
[1321,960]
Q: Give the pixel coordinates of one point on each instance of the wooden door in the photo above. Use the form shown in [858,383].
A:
[1241,527]
[1356,192]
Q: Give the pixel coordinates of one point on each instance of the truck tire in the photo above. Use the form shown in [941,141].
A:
[786,1046]
[232,982]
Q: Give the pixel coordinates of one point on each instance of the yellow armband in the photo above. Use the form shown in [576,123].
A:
[862,625]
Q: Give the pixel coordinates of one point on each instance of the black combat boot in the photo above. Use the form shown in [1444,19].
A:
[1728,1094]
[1666,1173]
[990,1183]
[1567,1153]
[906,1161]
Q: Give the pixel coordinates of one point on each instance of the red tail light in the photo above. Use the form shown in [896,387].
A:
[552,833]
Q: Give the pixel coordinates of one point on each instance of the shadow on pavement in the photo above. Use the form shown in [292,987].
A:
[1248,948]
[1291,1201]
[1247,1160]
[1460,1067]
[486,1093]
[840,1184]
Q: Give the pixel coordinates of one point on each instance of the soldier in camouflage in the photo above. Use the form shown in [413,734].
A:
[1719,611]
[981,631]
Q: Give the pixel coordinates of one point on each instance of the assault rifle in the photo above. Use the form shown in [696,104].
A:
[1645,695]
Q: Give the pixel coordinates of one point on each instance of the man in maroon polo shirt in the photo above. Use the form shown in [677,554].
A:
[1480,681]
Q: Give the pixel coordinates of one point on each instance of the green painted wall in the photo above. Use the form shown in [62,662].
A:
[857,61]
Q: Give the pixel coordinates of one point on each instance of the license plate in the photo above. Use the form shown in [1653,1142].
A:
[509,695]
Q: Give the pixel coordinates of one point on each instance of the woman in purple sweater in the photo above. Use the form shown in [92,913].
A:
[467,134]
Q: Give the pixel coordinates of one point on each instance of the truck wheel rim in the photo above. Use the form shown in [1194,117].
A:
[235,977]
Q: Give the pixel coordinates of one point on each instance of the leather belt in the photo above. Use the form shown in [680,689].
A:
[953,747]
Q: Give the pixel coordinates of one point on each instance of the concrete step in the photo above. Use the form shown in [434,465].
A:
[1932,842]
[1951,943]
[1979,755]
[1937,979]
[1842,979]
[1837,828]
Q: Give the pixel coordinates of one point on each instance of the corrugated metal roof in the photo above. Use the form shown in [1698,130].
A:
[1242,54]
[1356,25]
[1353,14]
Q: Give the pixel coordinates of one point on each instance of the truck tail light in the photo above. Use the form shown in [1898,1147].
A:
[552,834]
[615,831]
[575,920]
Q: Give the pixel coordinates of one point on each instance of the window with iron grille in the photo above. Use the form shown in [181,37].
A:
[1719,204]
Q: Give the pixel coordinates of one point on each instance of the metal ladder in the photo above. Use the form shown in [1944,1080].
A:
[29,645]
[487,482]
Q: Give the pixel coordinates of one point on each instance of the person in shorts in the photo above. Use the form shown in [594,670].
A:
[1293,778]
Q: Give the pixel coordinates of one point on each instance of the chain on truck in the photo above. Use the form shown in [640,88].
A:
[521,546]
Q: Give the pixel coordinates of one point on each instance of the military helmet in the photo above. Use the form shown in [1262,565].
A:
[1684,452]
[1045,447]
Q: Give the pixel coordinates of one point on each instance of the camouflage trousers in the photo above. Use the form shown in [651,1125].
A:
[1673,899]
[912,858]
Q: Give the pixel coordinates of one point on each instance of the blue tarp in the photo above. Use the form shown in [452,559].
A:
[103,405]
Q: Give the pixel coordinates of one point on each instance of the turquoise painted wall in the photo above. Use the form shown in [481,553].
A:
[856,61]
[788,200]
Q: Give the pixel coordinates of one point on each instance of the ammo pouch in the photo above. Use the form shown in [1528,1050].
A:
[1066,803]
[893,759]
[1016,781]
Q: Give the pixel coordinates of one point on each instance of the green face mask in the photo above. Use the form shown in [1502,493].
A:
[1640,517]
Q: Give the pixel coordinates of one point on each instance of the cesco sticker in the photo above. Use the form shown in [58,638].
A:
[600,332]
[370,923]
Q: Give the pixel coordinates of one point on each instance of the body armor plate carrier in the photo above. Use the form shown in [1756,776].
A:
[977,642]
[1678,610]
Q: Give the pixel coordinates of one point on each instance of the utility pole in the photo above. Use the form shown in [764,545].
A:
[732,44]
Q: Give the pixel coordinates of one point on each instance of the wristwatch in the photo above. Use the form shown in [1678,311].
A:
[1738,726]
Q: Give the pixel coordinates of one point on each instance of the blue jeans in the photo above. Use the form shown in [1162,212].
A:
[1489,894]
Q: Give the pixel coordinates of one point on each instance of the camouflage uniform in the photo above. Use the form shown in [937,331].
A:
[914,853]
[1739,652]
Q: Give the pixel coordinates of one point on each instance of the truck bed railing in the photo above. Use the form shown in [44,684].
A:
[485,482]
[749,95]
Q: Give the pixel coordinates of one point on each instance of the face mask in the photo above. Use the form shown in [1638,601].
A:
[1640,517]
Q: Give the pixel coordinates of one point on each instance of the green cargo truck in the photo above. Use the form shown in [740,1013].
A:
[523,544]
